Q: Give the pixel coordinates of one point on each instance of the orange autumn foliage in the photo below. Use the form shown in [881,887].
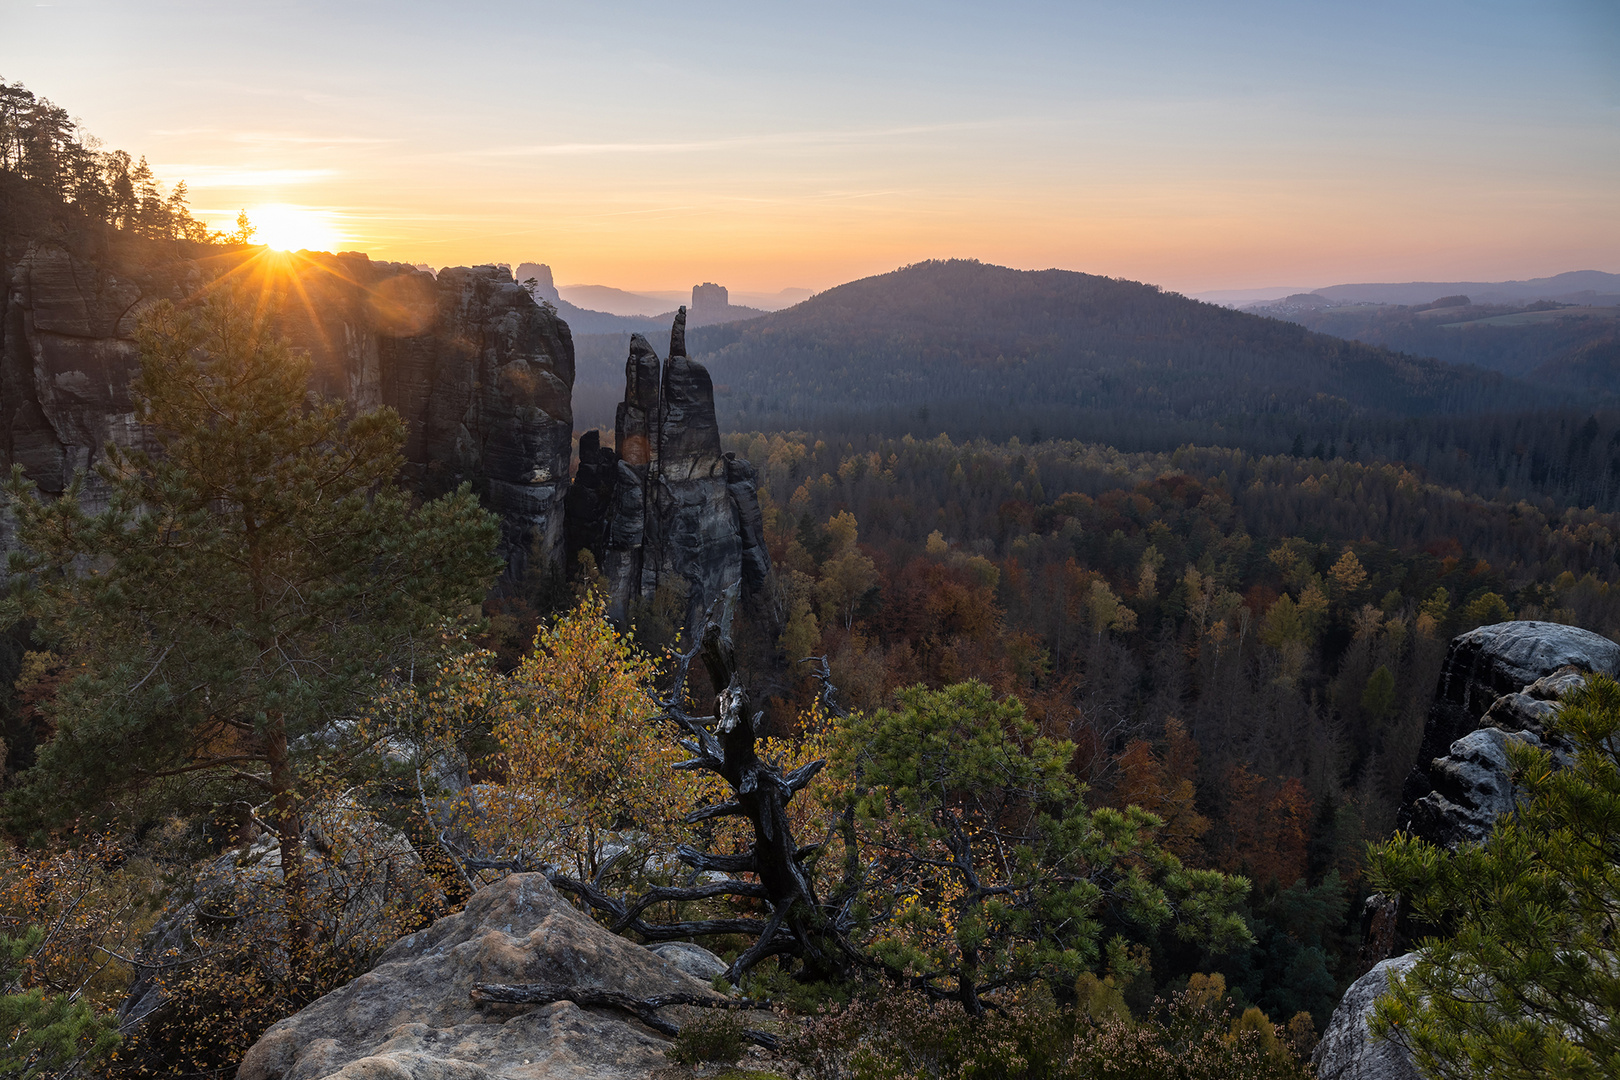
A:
[1165,786]
[1266,829]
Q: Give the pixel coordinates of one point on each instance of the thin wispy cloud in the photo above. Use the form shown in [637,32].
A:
[272,138]
[232,176]
[768,139]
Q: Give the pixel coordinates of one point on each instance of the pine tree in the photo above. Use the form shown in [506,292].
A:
[1522,982]
[245,588]
[45,1035]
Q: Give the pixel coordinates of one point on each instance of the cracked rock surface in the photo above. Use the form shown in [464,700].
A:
[412,1016]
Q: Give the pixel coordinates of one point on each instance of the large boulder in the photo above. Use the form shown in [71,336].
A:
[1531,665]
[1503,658]
[1500,685]
[413,1017]
[1347,1050]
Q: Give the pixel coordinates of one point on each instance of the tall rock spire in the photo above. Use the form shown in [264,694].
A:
[677,334]
[681,512]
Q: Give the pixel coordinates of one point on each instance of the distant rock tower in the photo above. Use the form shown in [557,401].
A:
[708,300]
[543,288]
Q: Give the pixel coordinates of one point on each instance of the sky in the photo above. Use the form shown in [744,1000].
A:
[763,145]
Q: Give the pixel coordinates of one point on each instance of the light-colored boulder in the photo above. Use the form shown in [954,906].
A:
[413,1018]
[1473,786]
[1347,1050]
[1505,658]
[693,960]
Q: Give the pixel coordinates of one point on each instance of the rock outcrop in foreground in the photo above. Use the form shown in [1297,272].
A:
[482,375]
[1500,684]
[413,1016]
[666,508]
[1347,1050]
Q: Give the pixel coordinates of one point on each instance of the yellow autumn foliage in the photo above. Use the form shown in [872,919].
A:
[587,760]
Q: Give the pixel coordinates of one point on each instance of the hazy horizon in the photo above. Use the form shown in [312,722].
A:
[648,148]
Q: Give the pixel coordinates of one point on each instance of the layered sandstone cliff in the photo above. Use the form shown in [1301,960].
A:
[482,375]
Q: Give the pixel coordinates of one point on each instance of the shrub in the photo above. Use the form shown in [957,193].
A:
[714,1036]
[1189,1037]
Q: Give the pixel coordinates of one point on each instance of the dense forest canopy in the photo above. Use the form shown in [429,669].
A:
[1248,645]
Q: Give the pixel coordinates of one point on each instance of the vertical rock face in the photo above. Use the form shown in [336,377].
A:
[709,298]
[66,353]
[544,287]
[676,512]
[1458,784]
[1499,685]
[482,375]
[487,395]
[1347,1050]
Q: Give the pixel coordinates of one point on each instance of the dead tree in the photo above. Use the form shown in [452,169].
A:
[801,925]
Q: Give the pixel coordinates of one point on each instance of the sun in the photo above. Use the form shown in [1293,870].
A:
[286,227]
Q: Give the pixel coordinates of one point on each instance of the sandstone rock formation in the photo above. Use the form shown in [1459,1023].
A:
[482,374]
[666,508]
[413,1017]
[544,287]
[711,305]
[363,877]
[1490,661]
[1347,1050]
[1499,684]
[709,298]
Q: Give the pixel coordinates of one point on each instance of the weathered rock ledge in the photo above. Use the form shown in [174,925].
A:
[413,1016]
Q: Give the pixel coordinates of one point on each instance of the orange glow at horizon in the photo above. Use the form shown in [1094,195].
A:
[1192,146]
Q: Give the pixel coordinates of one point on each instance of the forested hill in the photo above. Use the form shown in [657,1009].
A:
[980,349]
